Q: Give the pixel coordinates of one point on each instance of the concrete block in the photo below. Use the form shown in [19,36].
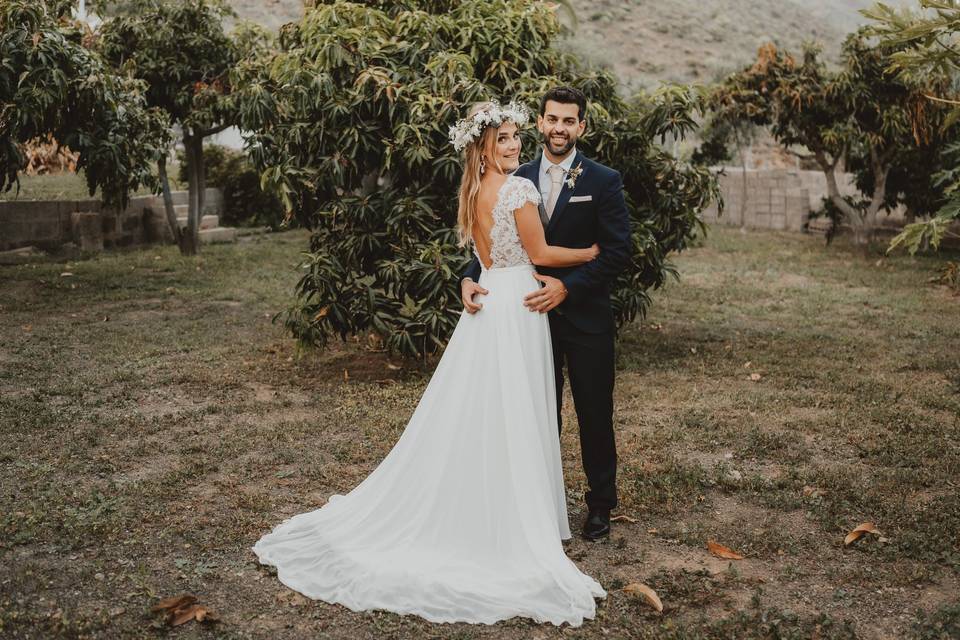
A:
[132,223]
[87,230]
[218,234]
[14,234]
[208,221]
[108,223]
[155,226]
[44,230]
[762,221]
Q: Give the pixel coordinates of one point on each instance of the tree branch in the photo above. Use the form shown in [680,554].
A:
[946,46]
[802,156]
[944,100]
[203,133]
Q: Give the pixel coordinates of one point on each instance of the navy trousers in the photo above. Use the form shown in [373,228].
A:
[590,364]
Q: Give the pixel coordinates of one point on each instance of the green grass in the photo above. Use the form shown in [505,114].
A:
[156,423]
[68,186]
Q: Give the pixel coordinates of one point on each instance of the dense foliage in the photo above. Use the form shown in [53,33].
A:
[52,84]
[862,115]
[929,50]
[181,52]
[349,122]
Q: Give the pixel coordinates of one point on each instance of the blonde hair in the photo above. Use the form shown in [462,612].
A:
[473,154]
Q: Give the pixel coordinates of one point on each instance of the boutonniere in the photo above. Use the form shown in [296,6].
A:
[573,174]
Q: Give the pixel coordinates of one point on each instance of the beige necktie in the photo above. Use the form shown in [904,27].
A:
[555,172]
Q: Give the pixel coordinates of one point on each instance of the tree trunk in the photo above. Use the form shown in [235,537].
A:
[191,245]
[168,202]
[201,182]
[880,171]
[743,183]
[833,191]
[863,223]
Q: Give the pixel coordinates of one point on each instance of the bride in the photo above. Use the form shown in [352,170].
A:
[463,520]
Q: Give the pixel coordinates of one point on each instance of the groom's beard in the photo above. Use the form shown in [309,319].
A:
[558,151]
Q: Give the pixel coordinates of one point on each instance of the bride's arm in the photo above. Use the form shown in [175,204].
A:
[535,244]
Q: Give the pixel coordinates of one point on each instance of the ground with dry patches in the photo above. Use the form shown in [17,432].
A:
[156,423]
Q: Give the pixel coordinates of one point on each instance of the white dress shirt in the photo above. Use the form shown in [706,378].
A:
[545,184]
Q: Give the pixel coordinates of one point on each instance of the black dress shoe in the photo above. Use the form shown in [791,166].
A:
[597,525]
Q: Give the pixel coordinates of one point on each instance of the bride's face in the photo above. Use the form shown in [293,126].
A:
[507,149]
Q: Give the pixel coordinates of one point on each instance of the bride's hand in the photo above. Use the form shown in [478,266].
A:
[594,251]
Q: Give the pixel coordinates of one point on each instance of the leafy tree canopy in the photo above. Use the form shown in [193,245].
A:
[52,83]
[929,50]
[179,50]
[350,120]
[862,114]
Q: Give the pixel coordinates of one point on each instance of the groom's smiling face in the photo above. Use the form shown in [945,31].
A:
[560,127]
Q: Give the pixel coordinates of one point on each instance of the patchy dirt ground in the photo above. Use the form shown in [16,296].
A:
[156,423]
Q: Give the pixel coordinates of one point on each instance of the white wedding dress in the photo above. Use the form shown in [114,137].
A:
[463,519]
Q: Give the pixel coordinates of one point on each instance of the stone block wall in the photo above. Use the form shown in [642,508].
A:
[778,199]
[50,224]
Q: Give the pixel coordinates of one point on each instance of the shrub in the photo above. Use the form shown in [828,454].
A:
[350,120]
[245,204]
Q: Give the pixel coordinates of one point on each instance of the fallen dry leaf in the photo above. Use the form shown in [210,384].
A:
[812,492]
[623,518]
[856,534]
[174,602]
[648,594]
[184,615]
[181,609]
[721,551]
[755,377]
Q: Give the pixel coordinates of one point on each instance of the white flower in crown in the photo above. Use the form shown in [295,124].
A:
[469,129]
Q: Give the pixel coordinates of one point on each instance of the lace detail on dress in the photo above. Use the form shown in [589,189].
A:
[506,249]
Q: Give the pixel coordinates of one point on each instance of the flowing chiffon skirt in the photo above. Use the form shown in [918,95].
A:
[462,521]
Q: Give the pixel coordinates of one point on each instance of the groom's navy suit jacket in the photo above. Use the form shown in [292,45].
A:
[593,211]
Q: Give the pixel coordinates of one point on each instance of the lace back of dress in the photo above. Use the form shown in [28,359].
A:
[506,250]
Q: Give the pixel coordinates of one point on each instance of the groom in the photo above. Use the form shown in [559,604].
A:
[582,204]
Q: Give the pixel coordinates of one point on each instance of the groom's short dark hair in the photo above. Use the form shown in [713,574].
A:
[565,95]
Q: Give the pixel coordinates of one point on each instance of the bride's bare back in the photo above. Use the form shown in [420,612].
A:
[483,225]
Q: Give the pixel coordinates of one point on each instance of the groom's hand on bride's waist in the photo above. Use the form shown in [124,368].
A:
[550,295]
[468,289]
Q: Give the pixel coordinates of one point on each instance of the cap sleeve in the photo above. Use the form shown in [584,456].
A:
[523,191]
[532,193]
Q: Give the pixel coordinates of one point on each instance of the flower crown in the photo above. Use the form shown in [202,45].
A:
[469,129]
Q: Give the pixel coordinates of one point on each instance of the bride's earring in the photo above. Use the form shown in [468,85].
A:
[483,166]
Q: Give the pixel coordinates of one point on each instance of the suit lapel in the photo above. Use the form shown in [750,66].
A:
[565,193]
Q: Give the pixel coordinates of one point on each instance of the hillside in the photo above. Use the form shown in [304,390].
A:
[651,41]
